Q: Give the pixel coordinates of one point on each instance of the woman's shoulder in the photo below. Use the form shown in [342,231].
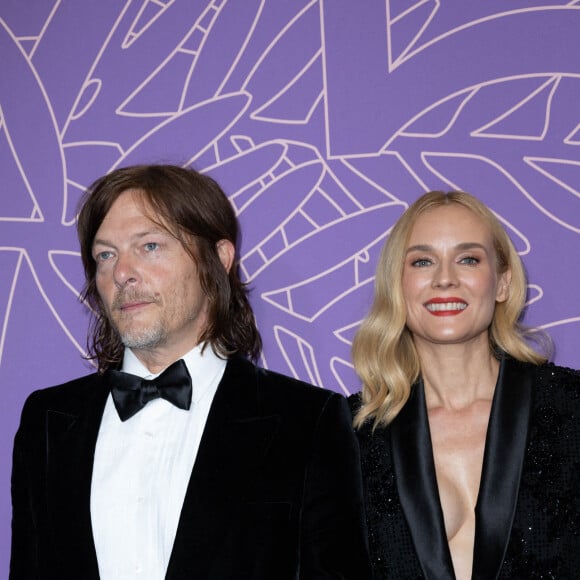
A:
[553,372]
[371,437]
[550,375]
[557,391]
[559,379]
[354,402]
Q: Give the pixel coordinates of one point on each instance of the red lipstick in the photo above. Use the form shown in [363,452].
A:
[447,306]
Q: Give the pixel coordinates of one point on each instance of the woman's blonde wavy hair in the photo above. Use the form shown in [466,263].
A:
[384,354]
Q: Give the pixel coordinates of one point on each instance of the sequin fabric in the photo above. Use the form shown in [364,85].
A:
[545,539]
[545,536]
[387,528]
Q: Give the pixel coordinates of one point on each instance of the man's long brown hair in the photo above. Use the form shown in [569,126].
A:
[191,207]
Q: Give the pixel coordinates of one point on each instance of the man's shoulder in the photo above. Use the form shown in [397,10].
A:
[275,386]
[291,385]
[65,394]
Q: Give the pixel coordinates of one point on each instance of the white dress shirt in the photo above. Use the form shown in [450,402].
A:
[141,471]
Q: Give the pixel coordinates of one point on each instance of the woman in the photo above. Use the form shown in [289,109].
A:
[470,441]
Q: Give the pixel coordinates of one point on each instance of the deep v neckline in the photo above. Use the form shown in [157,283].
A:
[500,477]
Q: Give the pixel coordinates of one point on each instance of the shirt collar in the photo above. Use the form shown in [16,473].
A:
[203,367]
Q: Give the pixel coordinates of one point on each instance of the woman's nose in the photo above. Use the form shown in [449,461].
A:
[445,276]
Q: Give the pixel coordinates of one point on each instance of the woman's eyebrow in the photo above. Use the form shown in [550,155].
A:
[420,248]
[462,246]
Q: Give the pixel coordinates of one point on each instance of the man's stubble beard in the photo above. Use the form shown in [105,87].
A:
[144,338]
[149,335]
[147,338]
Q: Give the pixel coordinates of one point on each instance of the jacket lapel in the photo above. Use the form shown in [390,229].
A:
[71,438]
[505,447]
[235,439]
[502,467]
[417,486]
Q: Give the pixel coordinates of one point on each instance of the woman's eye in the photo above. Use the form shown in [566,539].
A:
[470,260]
[151,246]
[421,262]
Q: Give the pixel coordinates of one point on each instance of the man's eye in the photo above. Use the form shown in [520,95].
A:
[103,256]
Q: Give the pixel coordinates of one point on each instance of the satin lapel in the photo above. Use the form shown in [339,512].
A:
[71,439]
[505,448]
[235,440]
[417,486]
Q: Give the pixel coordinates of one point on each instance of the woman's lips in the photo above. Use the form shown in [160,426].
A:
[449,306]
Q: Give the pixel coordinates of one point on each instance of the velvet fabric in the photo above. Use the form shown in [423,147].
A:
[527,511]
[275,492]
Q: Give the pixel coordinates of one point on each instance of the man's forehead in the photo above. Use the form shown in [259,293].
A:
[152,212]
[133,212]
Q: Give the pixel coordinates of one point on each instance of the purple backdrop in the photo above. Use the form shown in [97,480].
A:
[321,119]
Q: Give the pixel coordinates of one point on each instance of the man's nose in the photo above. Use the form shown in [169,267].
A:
[125,270]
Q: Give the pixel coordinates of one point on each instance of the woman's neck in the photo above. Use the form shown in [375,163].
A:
[456,376]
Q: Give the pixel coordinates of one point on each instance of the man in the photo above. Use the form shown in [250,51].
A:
[218,469]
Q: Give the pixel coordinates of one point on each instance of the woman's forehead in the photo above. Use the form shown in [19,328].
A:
[451,221]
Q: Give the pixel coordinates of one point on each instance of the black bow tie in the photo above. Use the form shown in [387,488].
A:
[131,393]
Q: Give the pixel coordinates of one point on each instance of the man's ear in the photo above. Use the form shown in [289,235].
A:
[227,253]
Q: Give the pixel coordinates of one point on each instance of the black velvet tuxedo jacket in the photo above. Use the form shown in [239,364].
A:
[275,492]
[528,507]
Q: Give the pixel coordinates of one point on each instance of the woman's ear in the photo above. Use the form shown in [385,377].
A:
[503,286]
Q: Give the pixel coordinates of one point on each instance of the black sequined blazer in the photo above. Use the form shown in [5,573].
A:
[527,512]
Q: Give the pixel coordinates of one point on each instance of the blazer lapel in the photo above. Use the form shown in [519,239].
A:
[505,447]
[235,439]
[502,467]
[417,486]
[71,440]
